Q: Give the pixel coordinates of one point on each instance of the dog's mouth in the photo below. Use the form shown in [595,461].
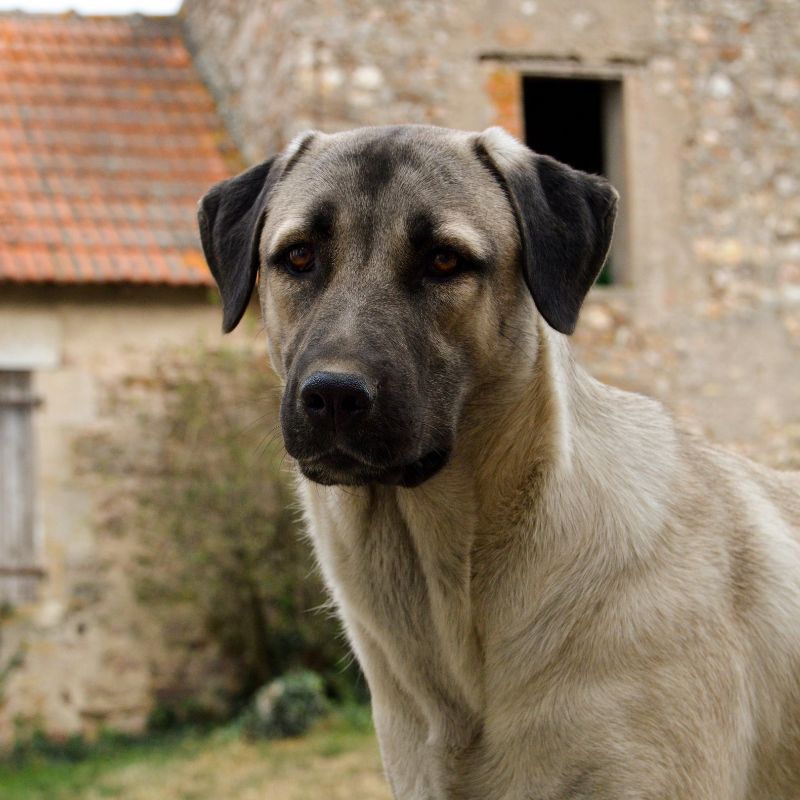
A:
[423,468]
[337,468]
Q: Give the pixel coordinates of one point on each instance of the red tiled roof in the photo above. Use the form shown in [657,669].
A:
[107,140]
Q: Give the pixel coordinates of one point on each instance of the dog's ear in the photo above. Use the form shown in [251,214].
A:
[231,218]
[565,219]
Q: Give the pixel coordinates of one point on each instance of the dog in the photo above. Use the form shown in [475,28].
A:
[553,590]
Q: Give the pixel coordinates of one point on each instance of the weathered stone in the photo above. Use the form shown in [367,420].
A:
[88,656]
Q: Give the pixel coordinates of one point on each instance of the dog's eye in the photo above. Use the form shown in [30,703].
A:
[444,263]
[300,258]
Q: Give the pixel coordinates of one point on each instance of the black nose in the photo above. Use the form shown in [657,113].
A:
[336,398]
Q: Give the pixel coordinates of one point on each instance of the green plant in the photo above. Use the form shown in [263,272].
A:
[39,746]
[217,527]
[285,707]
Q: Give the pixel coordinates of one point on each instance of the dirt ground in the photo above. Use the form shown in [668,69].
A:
[295,770]
[335,761]
[243,771]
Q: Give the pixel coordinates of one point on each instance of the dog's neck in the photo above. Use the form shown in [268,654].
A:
[536,448]
[521,426]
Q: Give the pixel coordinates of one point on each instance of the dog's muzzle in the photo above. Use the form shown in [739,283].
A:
[340,433]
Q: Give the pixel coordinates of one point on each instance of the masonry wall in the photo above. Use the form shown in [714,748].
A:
[708,315]
[86,655]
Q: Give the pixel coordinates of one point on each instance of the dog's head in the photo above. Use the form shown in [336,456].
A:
[396,269]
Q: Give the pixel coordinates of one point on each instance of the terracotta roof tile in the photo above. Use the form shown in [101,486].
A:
[107,140]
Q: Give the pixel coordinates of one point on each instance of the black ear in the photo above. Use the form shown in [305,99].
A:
[565,219]
[231,218]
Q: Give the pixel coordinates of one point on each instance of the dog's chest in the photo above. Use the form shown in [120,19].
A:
[400,574]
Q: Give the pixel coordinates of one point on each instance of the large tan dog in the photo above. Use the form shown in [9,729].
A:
[554,592]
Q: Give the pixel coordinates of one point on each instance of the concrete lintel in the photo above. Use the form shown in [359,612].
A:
[29,340]
[565,67]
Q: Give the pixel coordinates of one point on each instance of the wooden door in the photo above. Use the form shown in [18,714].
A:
[18,570]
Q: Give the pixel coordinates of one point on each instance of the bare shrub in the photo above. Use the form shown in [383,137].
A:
[215,522]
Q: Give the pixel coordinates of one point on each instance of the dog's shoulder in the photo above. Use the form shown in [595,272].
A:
[749,482]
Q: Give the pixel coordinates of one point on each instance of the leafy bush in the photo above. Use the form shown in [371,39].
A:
[31,745]
[40,747]
[285,707]
[218,529]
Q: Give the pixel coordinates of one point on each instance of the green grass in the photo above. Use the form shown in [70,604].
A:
[56,776]
[337,757]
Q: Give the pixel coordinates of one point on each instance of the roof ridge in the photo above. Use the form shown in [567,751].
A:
[72,15]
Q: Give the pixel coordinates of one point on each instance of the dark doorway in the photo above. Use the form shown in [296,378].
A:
[564,119]
[579,121]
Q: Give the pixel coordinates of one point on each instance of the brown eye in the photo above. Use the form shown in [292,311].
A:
[445,262]
[301,258]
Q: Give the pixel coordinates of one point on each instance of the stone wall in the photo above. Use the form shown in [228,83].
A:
[708,316]
[280,67]
[87,655]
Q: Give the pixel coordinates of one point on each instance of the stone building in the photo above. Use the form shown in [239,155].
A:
[107,139]
[691,107]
